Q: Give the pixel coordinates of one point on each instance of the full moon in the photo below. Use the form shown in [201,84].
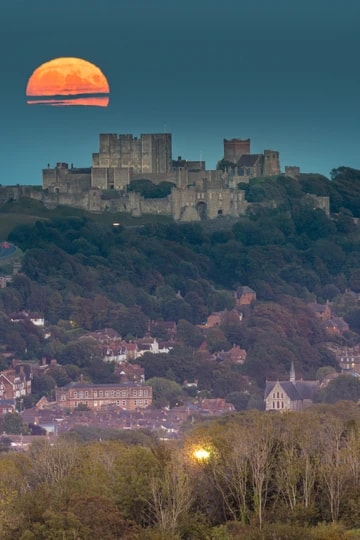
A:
[68,81]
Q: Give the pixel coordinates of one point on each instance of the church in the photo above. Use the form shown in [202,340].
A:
[291,395]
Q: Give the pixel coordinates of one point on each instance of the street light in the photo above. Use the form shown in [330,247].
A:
[201,454]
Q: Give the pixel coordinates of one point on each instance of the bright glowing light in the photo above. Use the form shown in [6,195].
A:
[66,77]
[201,454]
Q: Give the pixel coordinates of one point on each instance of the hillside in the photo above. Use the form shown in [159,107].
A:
[82,271]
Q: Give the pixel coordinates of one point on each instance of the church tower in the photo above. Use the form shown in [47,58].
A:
[292,373]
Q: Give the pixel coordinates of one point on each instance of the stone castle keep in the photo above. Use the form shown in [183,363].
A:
[197,193]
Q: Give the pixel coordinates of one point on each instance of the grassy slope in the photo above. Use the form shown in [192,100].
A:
[27,211]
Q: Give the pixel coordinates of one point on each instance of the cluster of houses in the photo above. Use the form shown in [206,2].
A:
[332,325]
[126,404]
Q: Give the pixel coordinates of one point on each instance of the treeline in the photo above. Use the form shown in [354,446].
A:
[258,476]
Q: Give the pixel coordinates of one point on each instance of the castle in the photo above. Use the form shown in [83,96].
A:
[196,193]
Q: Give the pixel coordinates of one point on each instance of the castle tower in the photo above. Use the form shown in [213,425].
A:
[120,156]
[235,148]
[292,373]
[271,163]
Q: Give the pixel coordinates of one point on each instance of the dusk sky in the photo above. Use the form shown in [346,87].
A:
[284,73]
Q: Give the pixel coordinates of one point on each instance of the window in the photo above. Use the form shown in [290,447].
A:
[278,395]
[118,402]
[75,395]
[145,392]
[140,393]
[101,393]
[274,395]
[95,393]
[134,401]
[81,395]
[134,393]
[63,397]
[117,393]
[112,393]
[106,393]
[145,401]
[86,393]
[140,402]
[124,403]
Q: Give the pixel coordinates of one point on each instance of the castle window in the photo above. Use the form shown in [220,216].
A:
[124,403]
[63,397]
[278,395]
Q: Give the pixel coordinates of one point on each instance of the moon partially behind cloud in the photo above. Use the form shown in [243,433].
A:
[68,81]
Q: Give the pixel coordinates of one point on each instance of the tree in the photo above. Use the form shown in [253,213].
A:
[12,423]
[172,495]
[165,392]
[343,387]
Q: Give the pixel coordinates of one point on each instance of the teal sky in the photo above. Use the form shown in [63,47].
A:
[284,73]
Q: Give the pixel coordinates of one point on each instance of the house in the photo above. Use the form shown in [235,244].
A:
[213,320]
[127,396]
[321,311]
[215,407]
[151,345]
[244,296]
[4,280]
[130,373]
[289,395]
[37,319]
[336,326]
[106,335]
[15,383]
[7,406]
[236,355]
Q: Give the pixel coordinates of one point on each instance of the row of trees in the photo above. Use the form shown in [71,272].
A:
[253,476]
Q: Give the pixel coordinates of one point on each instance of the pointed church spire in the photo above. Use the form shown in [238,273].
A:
[292,372]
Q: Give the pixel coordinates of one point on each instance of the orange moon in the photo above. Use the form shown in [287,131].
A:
[68,81]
